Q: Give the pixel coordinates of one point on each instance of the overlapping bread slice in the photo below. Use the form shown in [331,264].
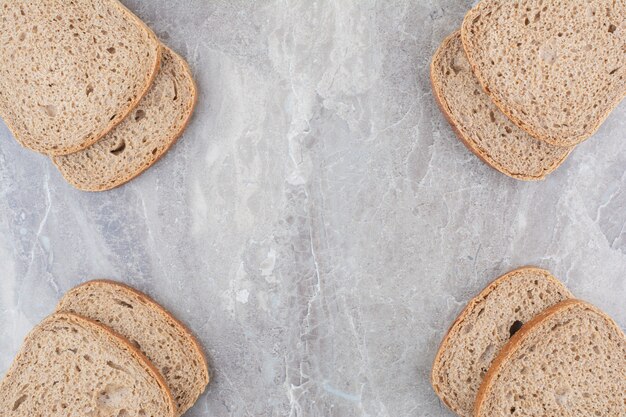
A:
[484,327]
[479,123]
[568,361]
[71,70]
[142,138]
[556,68]
[166,342]
[71,366]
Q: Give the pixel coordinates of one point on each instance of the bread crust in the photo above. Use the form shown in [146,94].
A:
[511,347]
[470,144]
[171,141]
[158,308]
[471,305]
[122,113]
[575,140]
[118,339]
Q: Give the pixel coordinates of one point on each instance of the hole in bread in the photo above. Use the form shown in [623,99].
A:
[89,89]
[22,36]
[612,28]
[512,410]
[487,354]
[119,148]
[175,88]
[122,413]
[526,21]
[19,402]
[614,71]
[122,303]
[115,366]
[154,151]
[515,327]
[139,114]
[508,129]
[492,117]
[111,50]
[50,110]
[87,358]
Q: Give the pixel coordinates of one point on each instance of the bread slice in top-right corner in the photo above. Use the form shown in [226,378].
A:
[568,361]
[140,140]
[484,327]
[556,68]
[480,125]
[165,341]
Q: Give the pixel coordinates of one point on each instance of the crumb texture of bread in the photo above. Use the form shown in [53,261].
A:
[166,342]
[480,124]
[556,68]
[71,70]
[69,366]
[570,361]
[484,327]
[140,140]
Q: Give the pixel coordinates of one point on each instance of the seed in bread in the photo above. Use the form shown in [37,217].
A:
[484,327]
[479,123]
[568,361]
[71,366]
[556,68]
[142,138]
[71,70]
[167,343]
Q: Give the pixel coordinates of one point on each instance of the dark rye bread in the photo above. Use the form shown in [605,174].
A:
[569,361]
[71,70]
[71,366]
[484,327]
[142,138]
[479,123]
[165,341]
[556,68]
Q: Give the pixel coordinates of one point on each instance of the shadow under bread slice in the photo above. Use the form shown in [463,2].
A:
[165,341]
[480,125]
[142,138]
[72,366]
[484,327]
[568,361]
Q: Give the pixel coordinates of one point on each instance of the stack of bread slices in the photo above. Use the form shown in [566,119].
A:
[524,347]
[108,350]
[89,84]
[524,81]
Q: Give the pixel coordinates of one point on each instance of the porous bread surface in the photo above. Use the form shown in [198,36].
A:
[164,340]
[70,366]
[556,68]
[70,70]
[569,361]
[142,138]
[484,327]
[480,125]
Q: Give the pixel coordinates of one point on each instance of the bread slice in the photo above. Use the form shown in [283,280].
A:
[168,344]
[71,366]
[142,138]
[484,327]
[556,68]
[71,71]
[568,361]
[479,123]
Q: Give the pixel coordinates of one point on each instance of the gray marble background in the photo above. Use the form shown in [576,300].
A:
[319,226]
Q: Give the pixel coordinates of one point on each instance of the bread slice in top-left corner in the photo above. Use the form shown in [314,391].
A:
[70,71]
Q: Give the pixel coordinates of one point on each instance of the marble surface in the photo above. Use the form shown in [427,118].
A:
[319,226]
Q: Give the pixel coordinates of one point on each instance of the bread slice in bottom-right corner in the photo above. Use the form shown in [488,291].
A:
[165,341]
[480,125]
[142,138]
[484,327]
[568,361]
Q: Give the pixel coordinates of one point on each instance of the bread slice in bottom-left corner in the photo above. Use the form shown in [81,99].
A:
[167,343]
[71,366]
[142,138]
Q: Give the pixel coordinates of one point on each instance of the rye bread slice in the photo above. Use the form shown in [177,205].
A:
[568,361]
[484,327]
[71,70]
[142,138]
[556,68]
[71,366]
[480,125]
[165,341]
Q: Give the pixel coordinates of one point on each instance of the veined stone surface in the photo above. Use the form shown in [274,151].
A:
[318,226]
